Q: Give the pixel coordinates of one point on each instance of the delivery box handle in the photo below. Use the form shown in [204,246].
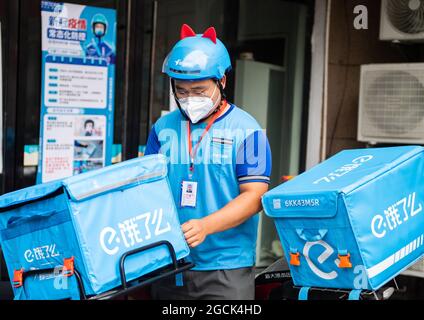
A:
[311,236]
[141,249]
[120,185]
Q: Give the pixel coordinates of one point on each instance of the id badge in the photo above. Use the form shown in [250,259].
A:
[189,194]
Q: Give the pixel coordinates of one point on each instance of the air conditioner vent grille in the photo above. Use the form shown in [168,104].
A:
[406,15]
[392,105]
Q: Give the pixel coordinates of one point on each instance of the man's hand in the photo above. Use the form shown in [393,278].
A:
[245,205]
[194,232]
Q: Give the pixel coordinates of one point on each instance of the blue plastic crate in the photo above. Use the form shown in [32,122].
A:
[94,217]
[354,221]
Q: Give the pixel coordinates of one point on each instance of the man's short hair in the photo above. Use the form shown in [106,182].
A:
[88,121]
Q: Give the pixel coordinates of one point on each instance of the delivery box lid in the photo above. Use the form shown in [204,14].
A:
[29,194]
[314,193]
[93,183]
[116,177]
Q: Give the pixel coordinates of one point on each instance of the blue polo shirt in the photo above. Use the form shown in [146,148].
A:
[234,151]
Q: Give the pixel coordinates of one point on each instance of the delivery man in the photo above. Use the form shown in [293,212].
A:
[219,167]
[100,49]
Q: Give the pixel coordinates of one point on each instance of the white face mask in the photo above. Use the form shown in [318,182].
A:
[99,30]
[198,108]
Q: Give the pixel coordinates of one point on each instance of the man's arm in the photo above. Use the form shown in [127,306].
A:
[153,144]
[245,205]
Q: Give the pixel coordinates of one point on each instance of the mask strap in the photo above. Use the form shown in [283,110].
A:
[213,93]
[217,108]
[221,90]
[176,100]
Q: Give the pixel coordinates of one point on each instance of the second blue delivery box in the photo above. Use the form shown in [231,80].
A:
[355,221]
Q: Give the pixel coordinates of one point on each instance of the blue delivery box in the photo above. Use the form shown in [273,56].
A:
[355,221]
[87,223]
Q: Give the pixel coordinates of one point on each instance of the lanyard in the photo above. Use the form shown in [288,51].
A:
[192,152]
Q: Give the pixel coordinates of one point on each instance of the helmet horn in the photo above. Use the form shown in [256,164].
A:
[186,31]
[210,33]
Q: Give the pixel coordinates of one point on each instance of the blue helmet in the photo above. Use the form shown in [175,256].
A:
[197,56]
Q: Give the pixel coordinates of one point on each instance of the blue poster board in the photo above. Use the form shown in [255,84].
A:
[77,98]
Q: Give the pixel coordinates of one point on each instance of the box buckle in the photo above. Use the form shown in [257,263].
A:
[18,278]
[68,267]
[345,261]
[295,259]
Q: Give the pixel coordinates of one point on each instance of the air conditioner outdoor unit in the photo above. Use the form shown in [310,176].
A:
[402,20]
[391,103]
